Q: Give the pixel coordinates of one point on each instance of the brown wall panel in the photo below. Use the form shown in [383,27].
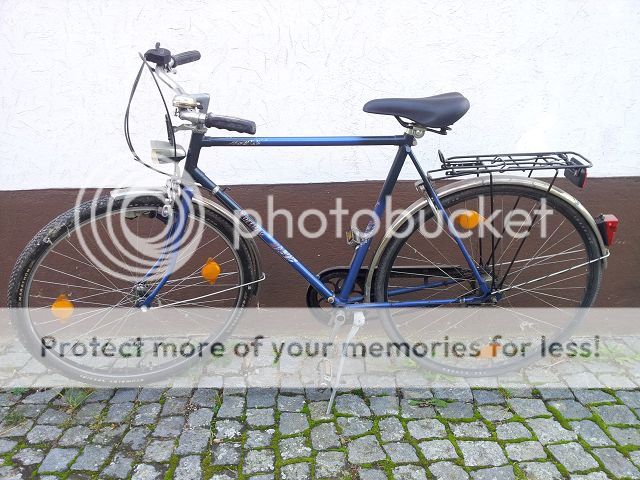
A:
[25,212]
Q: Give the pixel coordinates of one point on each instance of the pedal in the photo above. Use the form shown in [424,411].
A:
[325,373]
[358,321]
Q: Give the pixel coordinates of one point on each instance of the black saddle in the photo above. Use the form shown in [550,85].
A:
[438,111]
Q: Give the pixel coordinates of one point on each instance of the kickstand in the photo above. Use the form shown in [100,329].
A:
[325,366]
[358,321]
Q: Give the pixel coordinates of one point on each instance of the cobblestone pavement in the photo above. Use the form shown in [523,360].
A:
[449,433]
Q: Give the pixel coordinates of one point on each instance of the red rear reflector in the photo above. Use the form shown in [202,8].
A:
[608,225]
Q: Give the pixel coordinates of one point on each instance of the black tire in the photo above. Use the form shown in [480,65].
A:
[389,256]
[27,265]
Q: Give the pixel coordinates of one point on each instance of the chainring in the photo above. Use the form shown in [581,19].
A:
[332,278]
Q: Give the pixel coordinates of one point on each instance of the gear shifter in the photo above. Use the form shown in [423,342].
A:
[159,56]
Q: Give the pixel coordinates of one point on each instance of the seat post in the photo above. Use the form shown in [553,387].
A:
[415,131]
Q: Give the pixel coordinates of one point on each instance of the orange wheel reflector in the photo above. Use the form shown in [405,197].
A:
[489,351]
[210,271]
[62,308]
[469,219]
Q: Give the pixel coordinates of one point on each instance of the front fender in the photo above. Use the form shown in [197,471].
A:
[464,184]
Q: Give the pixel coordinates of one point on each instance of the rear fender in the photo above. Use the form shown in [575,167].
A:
[456,187]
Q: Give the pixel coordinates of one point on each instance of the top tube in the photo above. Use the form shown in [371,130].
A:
[397,140]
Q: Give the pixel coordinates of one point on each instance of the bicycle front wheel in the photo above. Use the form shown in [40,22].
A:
[534,250]
[86,273]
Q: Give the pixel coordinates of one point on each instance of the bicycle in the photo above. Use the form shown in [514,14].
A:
[408,270]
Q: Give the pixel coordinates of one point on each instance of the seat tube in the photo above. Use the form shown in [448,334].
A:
[378,211]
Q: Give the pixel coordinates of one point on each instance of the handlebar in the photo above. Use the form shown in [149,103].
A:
[163,57]
[165,62]
[185,57]
[230,123]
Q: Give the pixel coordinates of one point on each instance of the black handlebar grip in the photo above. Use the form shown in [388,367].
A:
[186,57]
[230,123]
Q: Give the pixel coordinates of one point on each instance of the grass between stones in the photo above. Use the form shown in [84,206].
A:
[350,471]
[14,418]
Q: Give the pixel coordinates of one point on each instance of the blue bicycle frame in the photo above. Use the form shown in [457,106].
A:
[341,298]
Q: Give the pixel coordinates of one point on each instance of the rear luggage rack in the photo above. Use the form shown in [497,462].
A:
[573,164]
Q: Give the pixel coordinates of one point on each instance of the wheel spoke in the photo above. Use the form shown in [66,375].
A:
[105,293]
[552,272]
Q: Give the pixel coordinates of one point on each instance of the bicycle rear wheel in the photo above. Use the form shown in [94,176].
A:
[549,264]
[86,272]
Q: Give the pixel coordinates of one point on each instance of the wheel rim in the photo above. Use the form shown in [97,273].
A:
[556,249]
[104,306]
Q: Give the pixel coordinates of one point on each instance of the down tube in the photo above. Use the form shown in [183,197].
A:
[253,226]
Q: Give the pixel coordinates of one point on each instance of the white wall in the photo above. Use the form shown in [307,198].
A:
[539,74]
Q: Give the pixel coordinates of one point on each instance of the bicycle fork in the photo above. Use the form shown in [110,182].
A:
[171,247]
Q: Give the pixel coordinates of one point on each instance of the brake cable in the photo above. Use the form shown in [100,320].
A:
[127,134]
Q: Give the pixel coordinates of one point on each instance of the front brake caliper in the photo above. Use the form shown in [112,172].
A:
[172,193]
